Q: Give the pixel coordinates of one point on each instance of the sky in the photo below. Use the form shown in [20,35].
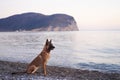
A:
[89,14]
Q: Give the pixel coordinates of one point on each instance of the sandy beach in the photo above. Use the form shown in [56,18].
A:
[53,73]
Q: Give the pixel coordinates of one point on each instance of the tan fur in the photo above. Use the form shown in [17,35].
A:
[41,59]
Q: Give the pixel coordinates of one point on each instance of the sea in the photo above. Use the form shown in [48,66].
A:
[86,50]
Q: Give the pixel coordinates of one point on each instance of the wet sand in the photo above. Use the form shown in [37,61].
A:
[53,73]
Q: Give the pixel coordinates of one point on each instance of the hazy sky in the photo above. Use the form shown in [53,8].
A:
[89,14]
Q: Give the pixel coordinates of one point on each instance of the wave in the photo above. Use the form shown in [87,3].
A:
[112,68]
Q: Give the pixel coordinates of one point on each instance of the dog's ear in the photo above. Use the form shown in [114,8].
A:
[46,41]
[51,41]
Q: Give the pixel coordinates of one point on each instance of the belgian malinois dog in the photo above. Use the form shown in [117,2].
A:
[41,59]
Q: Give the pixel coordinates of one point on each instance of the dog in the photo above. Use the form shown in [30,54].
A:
[41,59]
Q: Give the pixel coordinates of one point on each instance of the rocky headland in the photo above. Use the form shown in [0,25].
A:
[38,22]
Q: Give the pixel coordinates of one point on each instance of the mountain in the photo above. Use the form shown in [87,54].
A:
[38,22]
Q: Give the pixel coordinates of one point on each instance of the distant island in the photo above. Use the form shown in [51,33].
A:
[38,22]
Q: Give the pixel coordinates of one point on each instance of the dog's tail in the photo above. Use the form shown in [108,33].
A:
[13,73]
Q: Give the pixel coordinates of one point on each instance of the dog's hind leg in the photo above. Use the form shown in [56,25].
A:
[32,69]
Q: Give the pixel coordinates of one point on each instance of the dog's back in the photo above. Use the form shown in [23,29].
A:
[35,64]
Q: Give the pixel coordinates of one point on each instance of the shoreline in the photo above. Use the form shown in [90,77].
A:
[53,73]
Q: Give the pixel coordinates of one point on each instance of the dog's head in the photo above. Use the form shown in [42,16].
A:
[49,45]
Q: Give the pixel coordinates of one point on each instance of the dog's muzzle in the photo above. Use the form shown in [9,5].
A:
[53,47]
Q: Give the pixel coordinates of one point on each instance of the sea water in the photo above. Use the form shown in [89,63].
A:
[93,50]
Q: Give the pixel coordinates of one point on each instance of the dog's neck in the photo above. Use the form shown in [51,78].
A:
[46,50]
